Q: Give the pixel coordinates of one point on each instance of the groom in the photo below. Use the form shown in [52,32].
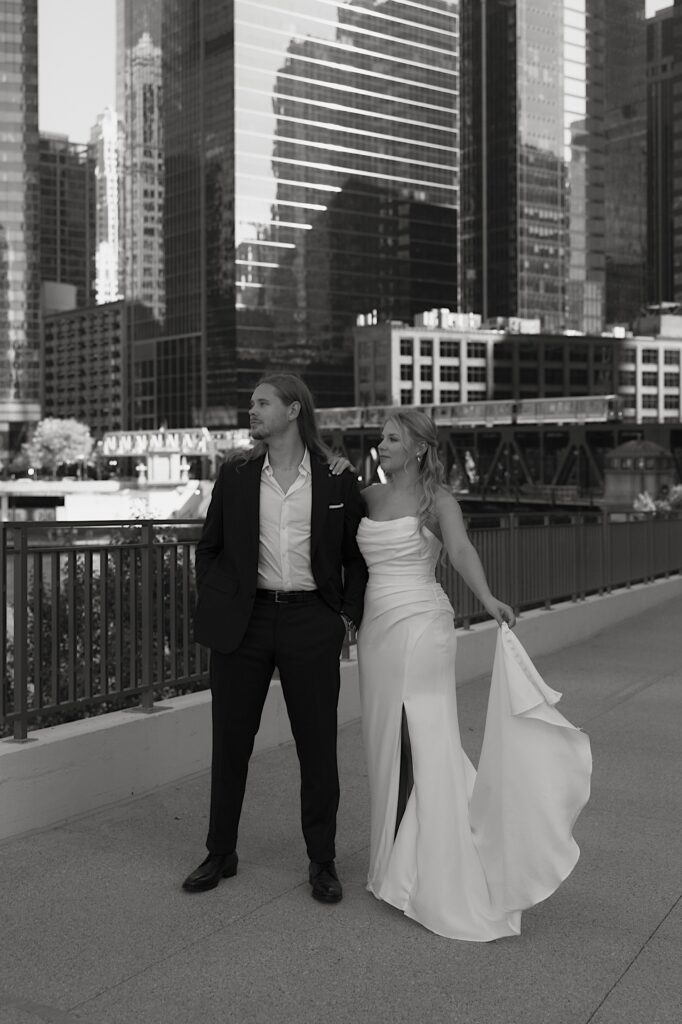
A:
[280,578]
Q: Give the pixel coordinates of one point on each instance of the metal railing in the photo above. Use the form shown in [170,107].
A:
[97,616]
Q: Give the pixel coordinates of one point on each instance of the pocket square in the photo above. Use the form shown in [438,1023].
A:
[337,506]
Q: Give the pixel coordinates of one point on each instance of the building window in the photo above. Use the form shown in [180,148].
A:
[449,395]
[578,354]
[650,401]
[449,349]
[449,372]
[671,357]
[650,355]
[406,397]
[427,397]
[579,378]
[476,350]
[627,378]
[406,372]
[528,375]
[426,372]
[406,346]
[671,401]
[476,374]
[503,374]
[672,380]
[426,348]
[649,380]
[554,375]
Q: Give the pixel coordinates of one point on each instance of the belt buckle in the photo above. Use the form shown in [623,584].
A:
[277,597]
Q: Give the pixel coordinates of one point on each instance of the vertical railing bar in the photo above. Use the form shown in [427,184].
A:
[146,571]
[582,546]
[87,623]
[174,551]
[20,709]
[547,560]
[514,561]
[104,620]
[119,627]
[133,606]
[38,700]
[71,625]
[4,686]
[159,628]
[55,633]
[186,615]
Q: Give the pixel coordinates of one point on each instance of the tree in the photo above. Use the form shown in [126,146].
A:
[57,443]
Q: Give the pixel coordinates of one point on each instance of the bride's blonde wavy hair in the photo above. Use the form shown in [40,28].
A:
[414,425]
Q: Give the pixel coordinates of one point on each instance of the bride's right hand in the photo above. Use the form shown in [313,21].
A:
[501,612]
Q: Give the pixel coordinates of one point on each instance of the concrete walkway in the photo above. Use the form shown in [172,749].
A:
[94,927]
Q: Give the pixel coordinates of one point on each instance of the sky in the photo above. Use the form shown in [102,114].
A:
[77,62]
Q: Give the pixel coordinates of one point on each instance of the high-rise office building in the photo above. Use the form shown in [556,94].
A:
[141,270]
[625,156]
[310,175]
[105,140]
[533,160]
[664,154]
[19,227]
[67,215]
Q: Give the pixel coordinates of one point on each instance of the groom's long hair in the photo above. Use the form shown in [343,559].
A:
[290,388]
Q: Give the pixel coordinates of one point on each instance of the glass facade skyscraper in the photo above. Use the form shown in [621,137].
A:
[311,175]
[625,167]
[19,197]
[664,154]
[533,160]
[68,215]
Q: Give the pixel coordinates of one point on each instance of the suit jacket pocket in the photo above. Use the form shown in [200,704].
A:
[218,580]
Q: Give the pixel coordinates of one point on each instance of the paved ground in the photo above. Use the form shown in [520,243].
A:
[94,927]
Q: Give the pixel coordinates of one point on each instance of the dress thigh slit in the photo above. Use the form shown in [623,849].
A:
[406,777]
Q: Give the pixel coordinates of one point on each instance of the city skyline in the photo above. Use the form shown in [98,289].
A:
[75,27]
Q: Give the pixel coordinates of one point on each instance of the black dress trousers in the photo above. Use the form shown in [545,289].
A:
[303,640]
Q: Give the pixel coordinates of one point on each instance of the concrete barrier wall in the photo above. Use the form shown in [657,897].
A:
[69,770]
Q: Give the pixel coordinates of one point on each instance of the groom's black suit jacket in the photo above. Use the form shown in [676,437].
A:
[227,553]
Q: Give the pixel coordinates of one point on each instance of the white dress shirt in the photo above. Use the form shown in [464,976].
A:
[284,549]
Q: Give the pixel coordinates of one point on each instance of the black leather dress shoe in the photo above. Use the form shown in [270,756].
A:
[325,882]
[210,871]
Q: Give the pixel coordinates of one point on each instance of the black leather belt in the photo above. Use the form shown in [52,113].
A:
[286,596]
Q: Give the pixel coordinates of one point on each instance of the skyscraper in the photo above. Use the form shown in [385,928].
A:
[67,214]
[105,140]
[19,198]
[141,271]
[664,154]
[625,153]
[310,175]
[533,160]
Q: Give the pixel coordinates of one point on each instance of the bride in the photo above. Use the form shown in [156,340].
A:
[438,851]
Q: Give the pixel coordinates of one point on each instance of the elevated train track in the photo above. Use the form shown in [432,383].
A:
[535,450]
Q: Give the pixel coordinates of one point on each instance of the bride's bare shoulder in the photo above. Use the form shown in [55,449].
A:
[445,503]
[371,495]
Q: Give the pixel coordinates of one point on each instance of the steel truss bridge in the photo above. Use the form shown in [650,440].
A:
[536,450]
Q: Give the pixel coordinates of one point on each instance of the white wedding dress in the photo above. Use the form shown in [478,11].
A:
[472,849]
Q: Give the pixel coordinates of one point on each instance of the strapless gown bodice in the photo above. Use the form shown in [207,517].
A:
[398,552]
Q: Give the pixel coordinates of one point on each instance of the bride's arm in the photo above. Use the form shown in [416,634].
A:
[464,558]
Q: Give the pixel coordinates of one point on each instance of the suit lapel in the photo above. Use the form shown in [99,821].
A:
[252,473]
[321,483]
